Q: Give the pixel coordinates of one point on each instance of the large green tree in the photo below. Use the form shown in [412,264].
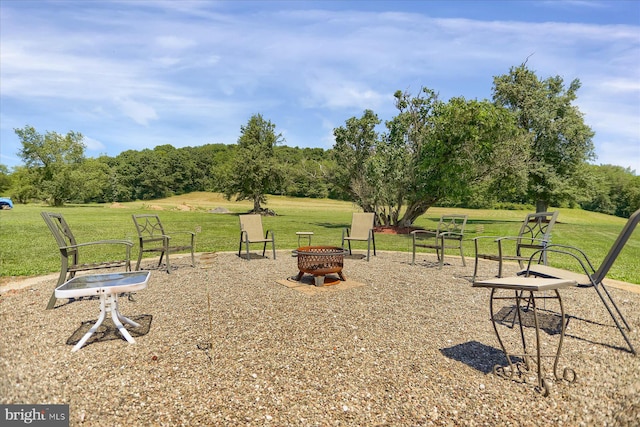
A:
[354,146]
[254,172]
[561,143]
[466,142]
[51,159]
[432,151]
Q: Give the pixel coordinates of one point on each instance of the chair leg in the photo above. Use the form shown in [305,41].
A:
[273,246]
[61,280]
[139,260]
[52,301]
[475,271]
[368,248]
[464,263]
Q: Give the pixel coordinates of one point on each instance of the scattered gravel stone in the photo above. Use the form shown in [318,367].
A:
[414,346]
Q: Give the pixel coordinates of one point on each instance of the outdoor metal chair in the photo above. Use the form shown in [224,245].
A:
[70,252]
[251,231]
[448,235]
[535,234]
[361,230]
[153,238]
[590,277]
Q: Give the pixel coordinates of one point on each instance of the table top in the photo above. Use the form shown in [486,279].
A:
[94,284]
[521,283]
[304,233]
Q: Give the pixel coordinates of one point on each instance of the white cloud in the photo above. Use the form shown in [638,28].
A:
[196,72]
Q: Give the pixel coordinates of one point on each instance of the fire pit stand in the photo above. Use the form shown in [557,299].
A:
[320,261]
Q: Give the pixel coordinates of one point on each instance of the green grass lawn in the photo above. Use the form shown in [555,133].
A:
[27,247]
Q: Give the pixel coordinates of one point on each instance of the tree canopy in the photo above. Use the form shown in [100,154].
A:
[432,150]
[560,141]
[254,171]
[50,161]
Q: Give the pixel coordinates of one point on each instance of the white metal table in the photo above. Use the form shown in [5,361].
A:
[107,286]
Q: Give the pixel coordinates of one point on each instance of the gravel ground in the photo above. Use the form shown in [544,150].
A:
[225,344]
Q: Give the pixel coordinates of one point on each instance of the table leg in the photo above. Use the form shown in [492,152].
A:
[117,317]
[542,386]
[103,313]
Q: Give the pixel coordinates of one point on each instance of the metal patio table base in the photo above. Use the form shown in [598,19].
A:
[107,286]
[531,359]
[109,303]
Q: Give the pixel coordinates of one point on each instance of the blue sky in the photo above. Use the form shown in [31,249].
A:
[137,74]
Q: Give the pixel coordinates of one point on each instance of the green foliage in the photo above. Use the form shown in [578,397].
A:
[612,190]
[472,144]
[560,140]
[433,151]
[5,179]
[355,144]
[51,160]
[254,171]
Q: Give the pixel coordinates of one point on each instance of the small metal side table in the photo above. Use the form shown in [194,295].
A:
[527,291]
[304,234]
[107,286]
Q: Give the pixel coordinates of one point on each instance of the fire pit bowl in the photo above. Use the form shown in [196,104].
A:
[320,261]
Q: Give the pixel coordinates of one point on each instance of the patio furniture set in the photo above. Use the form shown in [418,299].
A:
[536,281]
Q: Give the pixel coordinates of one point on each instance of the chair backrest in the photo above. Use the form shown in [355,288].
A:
[452,224]
[148,226]
[615,250]
[536,229]
[252,225]
[59,228]
[361,223]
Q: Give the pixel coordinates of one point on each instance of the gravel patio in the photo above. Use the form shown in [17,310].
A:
[225,344]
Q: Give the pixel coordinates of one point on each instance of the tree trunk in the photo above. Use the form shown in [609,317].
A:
[541,206]
[413,211]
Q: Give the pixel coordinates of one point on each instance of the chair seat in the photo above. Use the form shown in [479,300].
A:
[70,251]
[546,271]
[98,265]
[251,231]
[152,238]
[448,235]
[533,237]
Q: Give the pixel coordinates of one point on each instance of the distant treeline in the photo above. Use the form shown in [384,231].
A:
[167,171]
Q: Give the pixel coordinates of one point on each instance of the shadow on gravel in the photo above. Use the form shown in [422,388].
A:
[108,331]
[477,355]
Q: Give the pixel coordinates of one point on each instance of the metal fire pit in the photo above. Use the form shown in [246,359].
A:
[320,261]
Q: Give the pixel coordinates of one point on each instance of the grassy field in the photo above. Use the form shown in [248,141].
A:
[28,247]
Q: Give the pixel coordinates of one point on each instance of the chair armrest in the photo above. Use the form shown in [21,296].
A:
[101,242]
[182,232]
[427,233]
[451,235]
[495,238]
[579,255]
